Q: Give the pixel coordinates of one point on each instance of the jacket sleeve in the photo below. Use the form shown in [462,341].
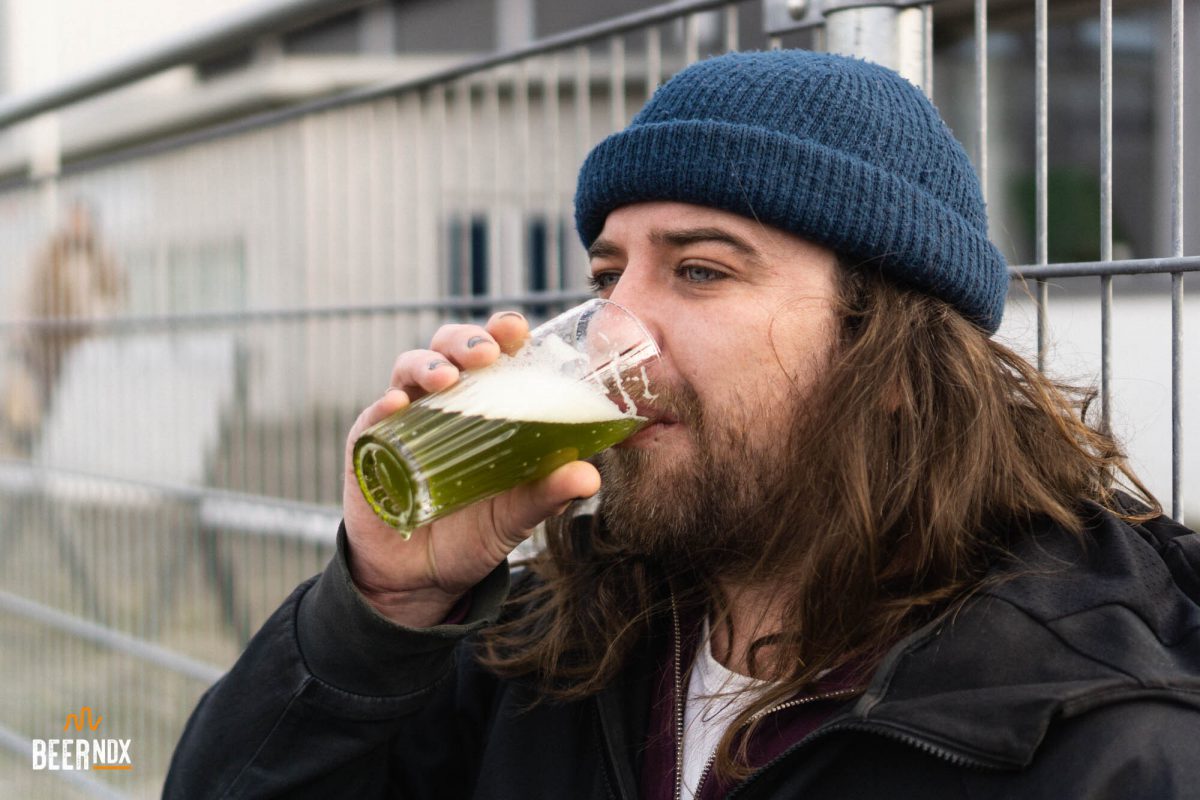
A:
[312,705]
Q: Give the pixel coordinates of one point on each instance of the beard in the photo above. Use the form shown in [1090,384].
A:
[709,509]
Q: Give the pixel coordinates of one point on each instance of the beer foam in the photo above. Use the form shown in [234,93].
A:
[532,389]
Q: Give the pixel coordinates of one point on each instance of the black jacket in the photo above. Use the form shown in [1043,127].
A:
[1079,678]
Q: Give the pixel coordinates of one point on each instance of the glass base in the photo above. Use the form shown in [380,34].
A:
[388,484]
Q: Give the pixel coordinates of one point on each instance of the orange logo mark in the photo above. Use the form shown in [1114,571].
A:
[83,717]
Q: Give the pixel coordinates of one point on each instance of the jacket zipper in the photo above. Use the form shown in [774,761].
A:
[789,704]
[945,754]
[950,756]
[679,703]
[799,701]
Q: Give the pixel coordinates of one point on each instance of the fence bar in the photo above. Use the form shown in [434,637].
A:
[1041,113]
[1042,298]
[442,122]
[203,319]
[1177,127]
[1106,232]
[691,38]
[490,117]
[731,27]
[1177,396]
[552,203]
[465,95]
[927,49]
[1106,115]
[653,59]
[981,95]
[1106,350]
[1177,154]
[107,637]
[617,81]
[26,478]
[11,740]
[1089,269]
[523,118]
[583,100]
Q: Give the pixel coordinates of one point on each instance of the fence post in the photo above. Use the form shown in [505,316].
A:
[886,34]
[894,33]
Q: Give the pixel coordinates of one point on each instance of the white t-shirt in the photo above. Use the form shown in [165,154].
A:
[715,697]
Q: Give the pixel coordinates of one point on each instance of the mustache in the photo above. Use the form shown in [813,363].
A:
[676,400]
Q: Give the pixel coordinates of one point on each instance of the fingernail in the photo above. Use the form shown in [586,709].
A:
[439,363]
[513,314]
[474,340]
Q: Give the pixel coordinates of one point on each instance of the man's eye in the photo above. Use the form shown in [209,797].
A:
[603,281]
[698,274]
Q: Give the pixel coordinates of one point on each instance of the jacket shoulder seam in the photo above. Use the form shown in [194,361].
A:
[278,721]
[1102,605]
[1045,625]
[383,699]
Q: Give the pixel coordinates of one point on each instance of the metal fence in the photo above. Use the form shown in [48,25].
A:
[182,366]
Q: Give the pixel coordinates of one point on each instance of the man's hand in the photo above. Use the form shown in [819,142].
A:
[416,582]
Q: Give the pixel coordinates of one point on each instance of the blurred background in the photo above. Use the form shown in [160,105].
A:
[220,221]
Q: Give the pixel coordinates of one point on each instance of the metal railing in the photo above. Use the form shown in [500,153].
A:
[174,466]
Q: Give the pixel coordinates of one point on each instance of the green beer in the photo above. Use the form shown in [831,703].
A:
[498,427]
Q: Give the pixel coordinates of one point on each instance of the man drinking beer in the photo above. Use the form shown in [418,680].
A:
[860,550]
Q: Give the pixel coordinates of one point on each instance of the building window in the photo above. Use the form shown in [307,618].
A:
[547,256]
[468,257]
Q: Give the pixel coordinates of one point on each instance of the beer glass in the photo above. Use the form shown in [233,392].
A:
[572,390]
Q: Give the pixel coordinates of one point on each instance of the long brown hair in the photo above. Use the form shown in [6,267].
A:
[932,445]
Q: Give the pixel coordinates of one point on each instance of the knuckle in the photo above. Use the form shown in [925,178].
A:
[446,333]
[413,363]
[403,362]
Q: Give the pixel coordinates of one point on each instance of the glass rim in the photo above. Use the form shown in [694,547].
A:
[654,353]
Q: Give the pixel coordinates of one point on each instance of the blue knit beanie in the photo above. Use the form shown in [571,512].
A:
[836,150]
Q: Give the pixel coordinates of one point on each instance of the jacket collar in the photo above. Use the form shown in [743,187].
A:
[1072,624]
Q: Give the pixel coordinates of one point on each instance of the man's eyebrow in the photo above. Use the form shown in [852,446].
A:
[603,248]
[606,248]
[686,236]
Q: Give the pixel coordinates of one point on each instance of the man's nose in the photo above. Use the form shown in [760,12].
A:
[636,294]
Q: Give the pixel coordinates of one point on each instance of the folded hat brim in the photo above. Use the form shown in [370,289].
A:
[829,196]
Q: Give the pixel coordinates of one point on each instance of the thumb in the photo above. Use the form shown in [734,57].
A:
[532,503]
